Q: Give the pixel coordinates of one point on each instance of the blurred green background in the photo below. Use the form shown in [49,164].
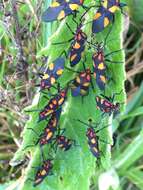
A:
[17,89]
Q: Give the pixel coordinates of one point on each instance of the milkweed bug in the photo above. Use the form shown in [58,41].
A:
[52,73]
[43,171]
[77,46]
[105,14]
[62,142]
[78,42]
[49,131]
[54,104]
[80,85]
[99,66]
[93,138]
[106,105]
[60,9]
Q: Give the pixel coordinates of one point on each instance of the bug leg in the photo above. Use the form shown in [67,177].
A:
[68,26]
[75,144]
[62,131]
[83,63]
[36,110]
[116,94]
[64,42]
[65,53]
[82,122]
[111,53]
[35,167]
[71,70]
[108,60]
[30,179]
[103,114]
[106,97]
[42,154]
[28,146]
[92,85]
[82,99]
[54,146]
[75,23]
[50,173]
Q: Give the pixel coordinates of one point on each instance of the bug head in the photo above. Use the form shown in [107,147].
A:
[116,109]
[48,164]
[99,46]
[42,141]
[88,71]
[121,5]
[90,132]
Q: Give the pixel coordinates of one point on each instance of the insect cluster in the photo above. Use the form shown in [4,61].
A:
[79,86]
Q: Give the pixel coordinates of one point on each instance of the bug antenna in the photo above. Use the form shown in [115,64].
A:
[28,146]
[82,122]
[105,41]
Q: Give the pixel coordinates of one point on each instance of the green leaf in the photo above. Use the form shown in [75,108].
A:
[131,154]
[135,175]
[135,11]
[74,169]
[137,112]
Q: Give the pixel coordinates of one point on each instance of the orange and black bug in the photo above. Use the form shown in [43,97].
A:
[80,85]
[78,42]
[99,62]
[43,171]
[49,131]
[60,9]
[77,46]
[106,105]
[62,142]
[105,14]
[93,138]
[52,73]
[54,104]
[99,68]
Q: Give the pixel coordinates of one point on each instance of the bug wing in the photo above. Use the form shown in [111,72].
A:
[102,21]
[52,13]
[75,91]
[100,80]
[58,67]
[75,55]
